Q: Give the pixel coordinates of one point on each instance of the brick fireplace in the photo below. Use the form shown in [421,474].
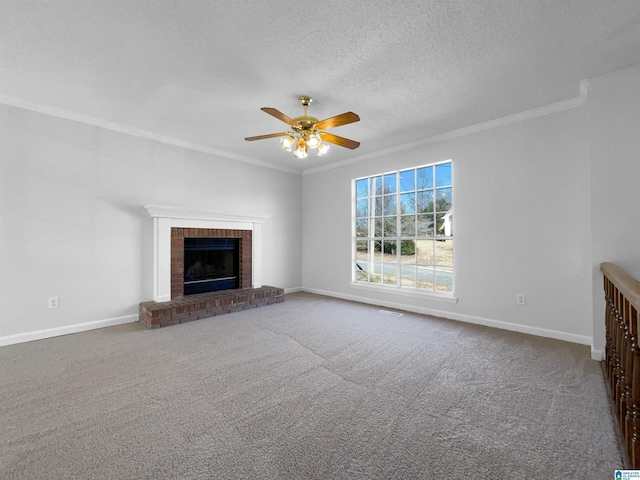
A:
[171,225]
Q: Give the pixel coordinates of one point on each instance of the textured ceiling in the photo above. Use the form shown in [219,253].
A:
[198,71]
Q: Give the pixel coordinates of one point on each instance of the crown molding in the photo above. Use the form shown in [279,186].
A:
[136,132]
[575,102]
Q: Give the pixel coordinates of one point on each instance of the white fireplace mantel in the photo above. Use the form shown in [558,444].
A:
[165,218]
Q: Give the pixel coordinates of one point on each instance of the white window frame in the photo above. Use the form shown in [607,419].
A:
[398,237]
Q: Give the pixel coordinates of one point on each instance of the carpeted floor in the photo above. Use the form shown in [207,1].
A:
[312,388]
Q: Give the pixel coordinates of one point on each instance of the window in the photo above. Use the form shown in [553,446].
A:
[404,229]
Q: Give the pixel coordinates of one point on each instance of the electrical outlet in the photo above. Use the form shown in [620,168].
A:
[330,276]
[521,299]
[53,302]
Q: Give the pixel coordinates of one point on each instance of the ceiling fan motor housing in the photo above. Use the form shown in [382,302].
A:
[307,124]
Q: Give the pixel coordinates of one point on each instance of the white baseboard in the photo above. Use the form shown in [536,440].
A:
[597,355]
[293,290]
[513,327]
[66,330]
[80,327]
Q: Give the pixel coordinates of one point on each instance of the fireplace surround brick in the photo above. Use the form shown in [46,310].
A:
[177,254]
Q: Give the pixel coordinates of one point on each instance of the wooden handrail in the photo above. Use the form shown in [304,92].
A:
[629,286]
[622,356]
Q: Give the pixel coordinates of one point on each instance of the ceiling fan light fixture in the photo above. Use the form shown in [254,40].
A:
[314,141]
[322,149]
[301,149]
[287,143]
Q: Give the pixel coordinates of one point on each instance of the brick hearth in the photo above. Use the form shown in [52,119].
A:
[205,305]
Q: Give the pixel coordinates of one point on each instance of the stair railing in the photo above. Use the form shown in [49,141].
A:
[622,356]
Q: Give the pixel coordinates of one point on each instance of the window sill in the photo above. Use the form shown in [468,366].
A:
[435,296]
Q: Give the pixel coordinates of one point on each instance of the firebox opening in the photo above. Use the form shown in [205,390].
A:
[210,264]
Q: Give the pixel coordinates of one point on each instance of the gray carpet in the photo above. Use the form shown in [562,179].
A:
[311,388]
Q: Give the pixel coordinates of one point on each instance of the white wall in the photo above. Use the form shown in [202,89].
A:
[72,196]
[614,130]
[522,214]
[72,222]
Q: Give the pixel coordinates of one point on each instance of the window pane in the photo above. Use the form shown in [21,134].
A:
[440,224]
[390,205]
[362,189]
[408,203]
[362,207]
[362,250]
[425,201]
[378,206]
[408,276]
[408,259]
[408,181]
[376,186]
[390,183]
[390,247]
[443,175]
[424,252]
[444,252]
[448,224]
[443,202]
[408,226]
[361,272]
[390,274]
[425,277]
[377,251]
[424,225]
[377,227]
[424,178]
[407,249]
[375,274]
[390,227]
[362,227]
[444,279]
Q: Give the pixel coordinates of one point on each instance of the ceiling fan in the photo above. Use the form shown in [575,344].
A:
[308,132]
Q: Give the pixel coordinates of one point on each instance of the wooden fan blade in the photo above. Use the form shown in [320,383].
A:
[343,142]
[262,137]
[280,116]
[338,120]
